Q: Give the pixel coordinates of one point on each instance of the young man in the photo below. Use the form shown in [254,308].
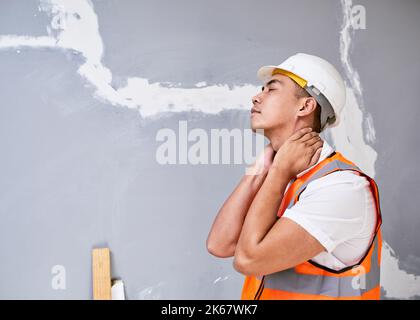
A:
[307,226]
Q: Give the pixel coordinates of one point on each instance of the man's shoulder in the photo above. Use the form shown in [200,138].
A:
[341,181]
[343,169]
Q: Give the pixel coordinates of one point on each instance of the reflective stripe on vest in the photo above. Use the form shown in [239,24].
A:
[310,280]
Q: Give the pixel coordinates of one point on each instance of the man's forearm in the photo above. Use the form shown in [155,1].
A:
[262,212]
[227,226]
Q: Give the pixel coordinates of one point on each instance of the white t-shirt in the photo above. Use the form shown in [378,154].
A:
[339,211]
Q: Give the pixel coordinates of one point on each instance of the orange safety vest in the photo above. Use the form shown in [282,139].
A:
[313,281]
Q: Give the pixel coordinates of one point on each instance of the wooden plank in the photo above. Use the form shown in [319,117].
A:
[101,274]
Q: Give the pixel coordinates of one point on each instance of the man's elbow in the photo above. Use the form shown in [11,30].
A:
[255,266]
[245,265]
[220,251]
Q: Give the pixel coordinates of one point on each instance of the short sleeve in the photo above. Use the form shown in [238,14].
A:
[332,208]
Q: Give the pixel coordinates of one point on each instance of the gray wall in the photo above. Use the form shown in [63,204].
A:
[78,167]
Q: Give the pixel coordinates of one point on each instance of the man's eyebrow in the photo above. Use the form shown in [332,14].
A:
[273,81]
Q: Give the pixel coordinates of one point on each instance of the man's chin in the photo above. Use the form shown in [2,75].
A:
[254,128]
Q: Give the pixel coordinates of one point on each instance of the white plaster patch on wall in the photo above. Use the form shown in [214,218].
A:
[345,44]
[348,138]
[152,292]
[396,282]
[220,279]
[74,26]
[346,33]
[8,41]
[153,98]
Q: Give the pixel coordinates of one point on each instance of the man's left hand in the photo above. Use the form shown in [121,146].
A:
[299,152]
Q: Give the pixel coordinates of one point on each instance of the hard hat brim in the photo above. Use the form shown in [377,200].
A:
[264,73]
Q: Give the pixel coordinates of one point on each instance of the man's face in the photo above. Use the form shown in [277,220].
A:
[276,105]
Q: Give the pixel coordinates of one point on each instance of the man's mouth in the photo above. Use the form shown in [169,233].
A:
[255,111]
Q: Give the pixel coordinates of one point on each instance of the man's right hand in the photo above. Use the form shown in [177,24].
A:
[263,162]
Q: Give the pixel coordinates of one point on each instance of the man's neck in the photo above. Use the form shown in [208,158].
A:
[278,137]
[277,140]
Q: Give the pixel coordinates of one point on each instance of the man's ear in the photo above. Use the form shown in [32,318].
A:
[309,106]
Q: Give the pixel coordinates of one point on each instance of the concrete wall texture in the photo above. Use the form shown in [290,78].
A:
[86,85]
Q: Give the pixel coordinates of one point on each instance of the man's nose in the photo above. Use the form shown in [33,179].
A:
[256,99]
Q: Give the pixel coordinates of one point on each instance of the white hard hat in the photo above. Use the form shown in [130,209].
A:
[319,78]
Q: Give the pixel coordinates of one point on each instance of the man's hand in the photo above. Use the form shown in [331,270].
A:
[263,162]
[301,151]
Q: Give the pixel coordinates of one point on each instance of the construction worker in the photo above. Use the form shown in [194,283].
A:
[307,225]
